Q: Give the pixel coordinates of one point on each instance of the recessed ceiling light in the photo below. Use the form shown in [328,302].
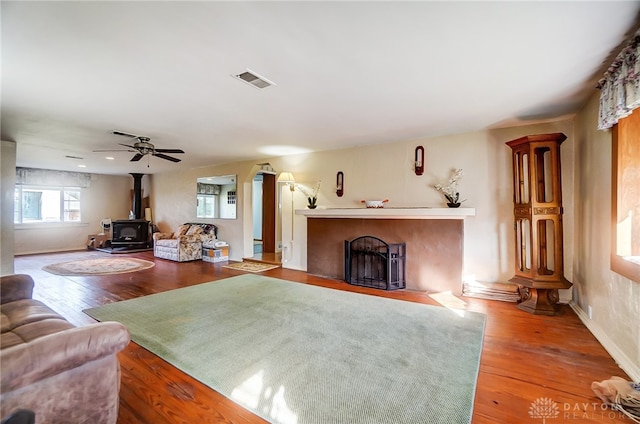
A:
[82,166]
[109,157]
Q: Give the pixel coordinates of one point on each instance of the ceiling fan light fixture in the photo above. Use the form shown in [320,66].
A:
[254,79]
[142,147]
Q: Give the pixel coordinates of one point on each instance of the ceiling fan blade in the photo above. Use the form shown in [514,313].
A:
[119,150]
[160,155]
[126,145]
[137,157]
[169,151]
[124,134]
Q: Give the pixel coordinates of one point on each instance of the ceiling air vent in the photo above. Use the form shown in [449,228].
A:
[254,79]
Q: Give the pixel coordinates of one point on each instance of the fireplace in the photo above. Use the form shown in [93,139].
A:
[434,239]
[370,262]
[130,232]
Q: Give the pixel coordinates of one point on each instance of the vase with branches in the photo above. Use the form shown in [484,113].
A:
[312,196]
[450,191]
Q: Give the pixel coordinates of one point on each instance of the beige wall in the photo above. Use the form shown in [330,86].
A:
[614,300]
[7,187]
[108,197]
[385,171]
[173,200]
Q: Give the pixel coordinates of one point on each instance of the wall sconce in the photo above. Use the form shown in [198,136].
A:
[340,183]
[419,160]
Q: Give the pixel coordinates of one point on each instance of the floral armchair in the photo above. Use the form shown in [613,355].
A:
[184,244]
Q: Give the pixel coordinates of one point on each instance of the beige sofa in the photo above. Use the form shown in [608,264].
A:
[63,373]
[185,243]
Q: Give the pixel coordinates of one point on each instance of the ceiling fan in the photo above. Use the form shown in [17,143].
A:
[142,147]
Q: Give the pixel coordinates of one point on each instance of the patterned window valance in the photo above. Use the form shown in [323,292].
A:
[48,177]
[620,92]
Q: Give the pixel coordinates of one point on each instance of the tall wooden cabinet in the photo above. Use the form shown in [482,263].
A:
[537,209]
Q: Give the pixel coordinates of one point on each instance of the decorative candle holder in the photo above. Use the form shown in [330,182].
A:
[340,183]
[419,160]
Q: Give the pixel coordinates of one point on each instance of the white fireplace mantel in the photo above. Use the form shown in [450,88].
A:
[389,213]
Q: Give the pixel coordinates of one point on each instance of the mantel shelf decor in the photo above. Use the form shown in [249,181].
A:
[450,191]
[389,213]
[312,196]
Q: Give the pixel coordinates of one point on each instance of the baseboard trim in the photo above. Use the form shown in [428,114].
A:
[41,252]
[619,356]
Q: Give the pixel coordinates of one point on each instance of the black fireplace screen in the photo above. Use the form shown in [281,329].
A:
[371,262]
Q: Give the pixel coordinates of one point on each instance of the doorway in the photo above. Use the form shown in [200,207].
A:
[257,213]
[264,214]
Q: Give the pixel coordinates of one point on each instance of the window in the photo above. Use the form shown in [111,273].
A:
[206,206]
[36,204]
[625,198]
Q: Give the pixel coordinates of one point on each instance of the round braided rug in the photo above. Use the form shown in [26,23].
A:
[99,266]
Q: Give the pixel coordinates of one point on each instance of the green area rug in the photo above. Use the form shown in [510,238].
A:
[296,353]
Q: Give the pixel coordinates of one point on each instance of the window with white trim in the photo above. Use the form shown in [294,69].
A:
[42,204]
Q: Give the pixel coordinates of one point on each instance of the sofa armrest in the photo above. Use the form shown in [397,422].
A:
[55,353]
[162,236]
[15,287]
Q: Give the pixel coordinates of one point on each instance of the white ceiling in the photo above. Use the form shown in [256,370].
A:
[347,74]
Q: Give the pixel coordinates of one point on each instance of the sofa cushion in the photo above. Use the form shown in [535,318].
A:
[28,332]
[21,312]
[28,319]
[194,230]
[181,230]
[209,230]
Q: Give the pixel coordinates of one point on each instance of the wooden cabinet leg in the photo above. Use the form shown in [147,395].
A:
[539,301]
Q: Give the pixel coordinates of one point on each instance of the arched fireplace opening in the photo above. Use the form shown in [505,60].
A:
[371,262]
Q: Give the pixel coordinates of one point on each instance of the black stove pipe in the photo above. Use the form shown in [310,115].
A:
[137,195]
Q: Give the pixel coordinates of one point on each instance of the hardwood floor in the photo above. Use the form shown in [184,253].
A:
[524,358]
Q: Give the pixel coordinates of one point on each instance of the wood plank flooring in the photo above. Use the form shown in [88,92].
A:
[524,357]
